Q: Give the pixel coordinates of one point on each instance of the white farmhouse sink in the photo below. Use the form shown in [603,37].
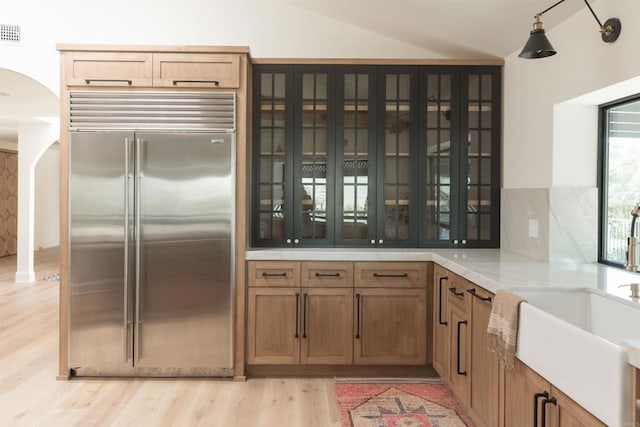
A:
[573,338]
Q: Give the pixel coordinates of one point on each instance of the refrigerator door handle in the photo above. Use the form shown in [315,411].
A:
[138,177]
[126,250]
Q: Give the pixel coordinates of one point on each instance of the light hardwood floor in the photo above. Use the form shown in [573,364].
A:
[31,396]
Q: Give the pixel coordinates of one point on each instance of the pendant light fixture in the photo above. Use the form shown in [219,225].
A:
[538,46]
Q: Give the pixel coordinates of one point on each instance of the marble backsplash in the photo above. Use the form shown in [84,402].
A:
[567,223]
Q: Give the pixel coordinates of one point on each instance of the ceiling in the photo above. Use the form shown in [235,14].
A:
[449,28]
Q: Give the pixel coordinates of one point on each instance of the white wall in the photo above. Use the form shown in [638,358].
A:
[539,153]
[271,29]
[47,199]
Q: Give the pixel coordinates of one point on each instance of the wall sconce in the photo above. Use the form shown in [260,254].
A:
[538,45]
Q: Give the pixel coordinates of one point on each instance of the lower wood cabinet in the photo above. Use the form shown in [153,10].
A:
[292,325]
[530,400]
[461,316]
[440,321]
[484,366]
[327,326]
[310,313]
[390,326]
[273,316]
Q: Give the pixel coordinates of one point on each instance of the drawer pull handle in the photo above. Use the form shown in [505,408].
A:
[213,82]
[472,291]
[454,291]
[390,275]
[327,274]
[265,274]
[89,81]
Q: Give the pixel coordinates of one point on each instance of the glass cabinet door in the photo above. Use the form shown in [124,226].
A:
[314,152]
[355,153]
[396,188]
[481,165]
[438,168]
[272,132]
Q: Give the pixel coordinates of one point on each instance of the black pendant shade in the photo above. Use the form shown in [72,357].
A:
[538,46]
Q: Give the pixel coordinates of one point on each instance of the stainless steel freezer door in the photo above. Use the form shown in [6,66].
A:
[185,202]
[98,336]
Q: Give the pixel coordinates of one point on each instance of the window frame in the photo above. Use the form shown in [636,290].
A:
[603,168]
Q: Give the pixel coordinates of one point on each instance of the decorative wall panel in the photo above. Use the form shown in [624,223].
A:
[8,203]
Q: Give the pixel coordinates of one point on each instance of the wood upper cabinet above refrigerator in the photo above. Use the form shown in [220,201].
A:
[119,69]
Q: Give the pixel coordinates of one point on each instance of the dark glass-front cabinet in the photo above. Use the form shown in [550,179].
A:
[459,157]
[376,156]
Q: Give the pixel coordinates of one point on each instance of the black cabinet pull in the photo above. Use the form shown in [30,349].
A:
[390,275]
[304,315]
[265,274]
[454,291]
[327,274]
[460,323]
[545,402]
[358,316]
[89,81]
[472,291]
[213,82]
[297,313]
[536,397]
[440,302]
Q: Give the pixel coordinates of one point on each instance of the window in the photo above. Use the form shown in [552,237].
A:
[619,176]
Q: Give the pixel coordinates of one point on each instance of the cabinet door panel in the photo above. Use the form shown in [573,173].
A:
[398,125]
[440,322]
[390,326]
[193,70]
[484,364]
[520,386]
[355,158]
[479,202]
[568,413]
[459,378]
[327,326]
[115,69]
[273,326]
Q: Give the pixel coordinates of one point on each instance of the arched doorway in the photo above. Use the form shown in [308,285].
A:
[29,124]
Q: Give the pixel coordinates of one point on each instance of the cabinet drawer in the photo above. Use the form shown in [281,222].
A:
[273,273]
[126,69]
[327,274]
[391,274]
[196,70]
[457,291]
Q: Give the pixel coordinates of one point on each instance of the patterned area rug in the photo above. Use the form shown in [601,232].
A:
[399,405]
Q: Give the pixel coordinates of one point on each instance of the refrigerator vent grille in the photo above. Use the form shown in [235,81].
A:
[166,111]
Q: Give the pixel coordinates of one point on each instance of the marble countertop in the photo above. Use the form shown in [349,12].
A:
[492,269]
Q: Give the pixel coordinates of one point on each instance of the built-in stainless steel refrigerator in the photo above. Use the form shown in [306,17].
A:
[151,253]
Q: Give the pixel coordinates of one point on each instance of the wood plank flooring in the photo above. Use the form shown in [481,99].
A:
[31,396]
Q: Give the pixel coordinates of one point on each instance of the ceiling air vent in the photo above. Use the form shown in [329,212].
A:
[9,34]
